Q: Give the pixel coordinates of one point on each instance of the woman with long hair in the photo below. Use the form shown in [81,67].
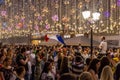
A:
[117,72]
[46,73]
[107,73]
[86,76]
[93,68]
[20,72]
[64,66]
[104,61]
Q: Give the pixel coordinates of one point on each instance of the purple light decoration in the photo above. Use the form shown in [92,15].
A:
[39,18]
[22,19]
[36,27]
[24,26]
[3,13]
[47,26]
[55,18]
[107,14]
[118,2]
[9,28]
[4,24]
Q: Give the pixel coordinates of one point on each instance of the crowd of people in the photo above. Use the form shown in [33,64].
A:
[59,62]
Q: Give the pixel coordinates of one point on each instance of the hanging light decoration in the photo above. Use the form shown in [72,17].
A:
[86,14]
[21,16]
[96,16]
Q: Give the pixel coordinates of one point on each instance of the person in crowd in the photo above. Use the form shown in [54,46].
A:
[1,78]
[77,66]
[80,47]
[10,52]
[33,62]
[53,71]
[64,66]
[6,71]
[59,59]
[20,71]
[110,50]
[29,72]
[85,54]
[117,72]
[104,61]
[85,76]
[94,67]
[38,64]
[46,73]
[107,73]
[22,60]
[103,47]
[68,76]
[2,56]
[112,60]
[87,63]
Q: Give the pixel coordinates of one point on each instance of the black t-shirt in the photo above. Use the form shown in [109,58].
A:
[17,79]
[20,57]
[7,73]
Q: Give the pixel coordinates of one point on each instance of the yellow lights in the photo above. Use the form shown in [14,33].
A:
[80,5]
[56,6]
[101,9]
[73,11]
[119,23]
[45,10]
[66,2]
[21,20]
[113,6]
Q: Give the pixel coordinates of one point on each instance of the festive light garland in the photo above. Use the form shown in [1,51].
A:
[22,17]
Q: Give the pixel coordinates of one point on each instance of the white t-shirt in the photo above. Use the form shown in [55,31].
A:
[32,59]
[29,68]
[103,46]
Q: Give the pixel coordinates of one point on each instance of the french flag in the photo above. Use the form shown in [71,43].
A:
[55,37]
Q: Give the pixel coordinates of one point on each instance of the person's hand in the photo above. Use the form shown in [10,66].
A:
[27,59]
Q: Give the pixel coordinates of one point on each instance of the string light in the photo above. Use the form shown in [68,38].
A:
[22,17]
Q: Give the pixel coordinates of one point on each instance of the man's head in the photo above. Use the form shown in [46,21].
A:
[103,38]
[23,50]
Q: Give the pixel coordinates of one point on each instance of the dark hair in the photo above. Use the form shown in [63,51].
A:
[88,60]
[46,69]
[64,66]
[7,59]
[1,55]
[50,60]
[78,59]
[77,53]
[103,37]
[23,50]
[104,61]
[93,65]
[20,70]
[67,76]
[117,72]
